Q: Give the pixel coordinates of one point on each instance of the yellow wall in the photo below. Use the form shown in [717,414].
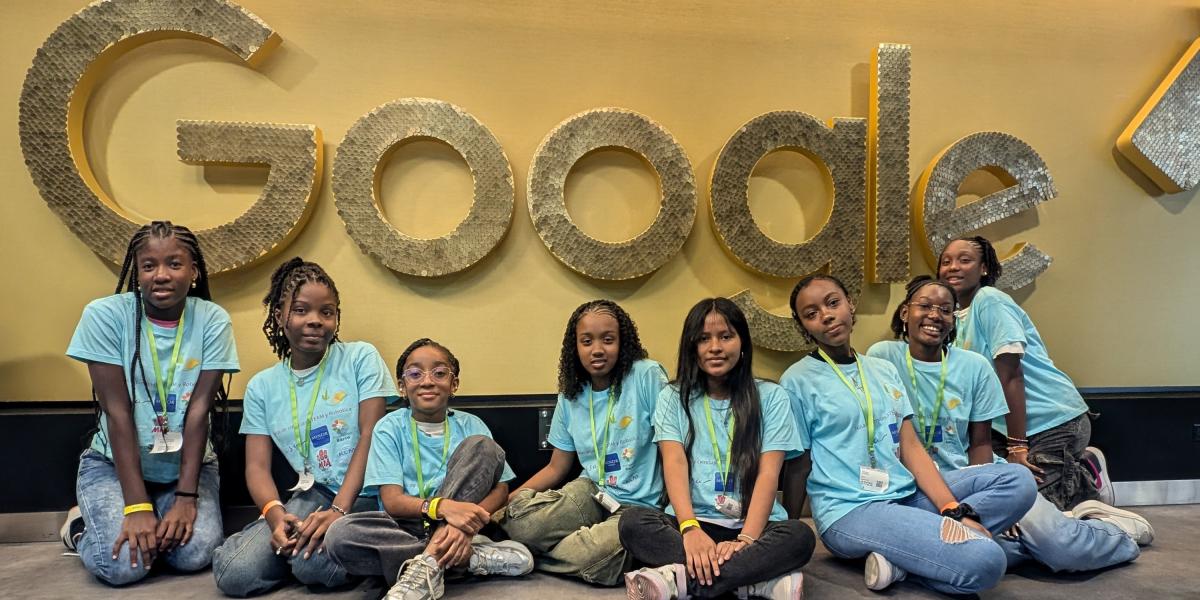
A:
[1066,77]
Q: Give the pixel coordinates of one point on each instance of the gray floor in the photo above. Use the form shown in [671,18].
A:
[1168,569]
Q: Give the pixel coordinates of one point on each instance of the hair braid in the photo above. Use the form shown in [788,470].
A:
[571,373]
[285,282]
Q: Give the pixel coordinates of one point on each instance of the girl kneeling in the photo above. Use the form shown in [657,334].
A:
[723,436]
[148,485]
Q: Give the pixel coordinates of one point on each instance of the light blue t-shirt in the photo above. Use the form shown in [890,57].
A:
[972,394]
[671,424]
[105,335]
[632,474]
[995,320]
[834,430]
[354,371]
[391,459]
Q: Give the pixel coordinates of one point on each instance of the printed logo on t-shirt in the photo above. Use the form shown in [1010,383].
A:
[344,453]
[336,398]
[612,480]
[320,436]
[338,425]
[191,363]
[953,403]
[627,453]
[625,421]
[323,459]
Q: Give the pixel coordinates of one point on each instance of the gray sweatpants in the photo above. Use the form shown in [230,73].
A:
[376,544]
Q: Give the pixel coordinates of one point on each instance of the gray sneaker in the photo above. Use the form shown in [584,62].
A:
[789,586]
[420,578]
[508,558]
[1134,525]
[72,529]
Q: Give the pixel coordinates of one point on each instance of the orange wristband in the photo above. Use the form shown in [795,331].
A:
[948,506]
[268,506]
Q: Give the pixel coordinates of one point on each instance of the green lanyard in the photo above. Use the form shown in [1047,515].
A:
[927,435]
[163,386]
[304,439]
[868,407]
[712,436]
[416,448]
[600,458]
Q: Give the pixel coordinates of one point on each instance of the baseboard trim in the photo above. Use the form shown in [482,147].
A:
[1146,493]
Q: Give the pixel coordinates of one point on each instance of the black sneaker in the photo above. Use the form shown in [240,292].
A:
[72,529]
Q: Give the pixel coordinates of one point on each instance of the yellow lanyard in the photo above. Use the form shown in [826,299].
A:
[868,407]
[164,386]
[600,458]
[712,436]
[927,436]
[416,448]
[304,439]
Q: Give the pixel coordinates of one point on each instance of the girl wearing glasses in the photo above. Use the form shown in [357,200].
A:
[607,391]
[440,477]
[317,405]
[875,491]
[1047,428]
[723,435]
[955,395]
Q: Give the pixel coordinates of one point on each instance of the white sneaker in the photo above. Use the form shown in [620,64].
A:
[1133,524]
[72,529]
[789,586]
[420,578]
[668,582]
[880,573]
[508,558]
[1094,460]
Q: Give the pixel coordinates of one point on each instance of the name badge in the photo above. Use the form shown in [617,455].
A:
[171,399]
[872,480]
[608,502]
[612,463]
[895,431]
[171,442]
[305,482]
[937,433]
[728,506]
[319,436]
[723,483]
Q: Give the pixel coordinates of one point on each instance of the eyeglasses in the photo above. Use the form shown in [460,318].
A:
[439,374]
[943,309]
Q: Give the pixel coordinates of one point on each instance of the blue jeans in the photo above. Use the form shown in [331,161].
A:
[1066,544]
[937,551]
[246,564]
[103,507]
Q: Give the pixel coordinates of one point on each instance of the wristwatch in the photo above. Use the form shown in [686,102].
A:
[960,512]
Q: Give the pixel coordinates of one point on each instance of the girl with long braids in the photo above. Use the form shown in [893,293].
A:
[607,390]
[1047,428]
[318,405]
[723,435]
[955,395]
[156,351]
[875,491]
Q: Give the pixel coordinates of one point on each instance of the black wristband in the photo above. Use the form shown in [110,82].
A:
[960,512]
[186,494]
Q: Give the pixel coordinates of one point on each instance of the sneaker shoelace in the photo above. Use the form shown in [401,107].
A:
[414,571]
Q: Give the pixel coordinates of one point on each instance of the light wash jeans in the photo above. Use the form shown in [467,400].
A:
[936,551]
[1066,544]
[103,507]
[569,532]
[246,564]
